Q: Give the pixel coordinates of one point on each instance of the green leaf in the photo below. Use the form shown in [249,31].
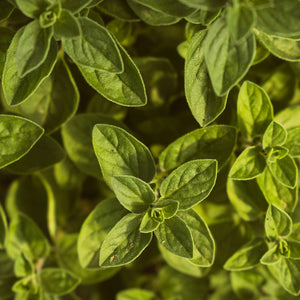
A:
[275,135]
[126,89]
[7,267]
[6,35]
[205,105]
[77,141]
[17,89]
[151,16]
[246,257]
[3,227]
[95,228]
[255,111]
[17,137]
[124,242]
[240,20]
[67,26]
[5,10]
[32,8]
[277,223]
[136,294]
[95,48]
[287,272]
[277,153]
[174,235]
[276,193]
[272,256]
[44,154]
[170,7]
[168,207]
[119,153]
[28,285]
[25,236]
[204,244]
[285,171]
[280,19]
[284,48]
[293,141]
[23,266]
[203,17]
[227,60]
[289,117]
[294,250]
[148,223]
[214,142]
[190,183]
[246,198]
[58,281]
[250,164]
[33,47]
[75,6]
[133,193]
[205,4]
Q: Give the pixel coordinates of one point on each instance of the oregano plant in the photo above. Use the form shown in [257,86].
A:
[149,150]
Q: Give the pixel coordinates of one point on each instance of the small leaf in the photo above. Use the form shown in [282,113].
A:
[205,105]
[95,228]
[250,164]
[285,171]
[33,47]
[190,183]
[124,242]
[133,193]
[215,142]
[275,135]
[126,89]
[25,236]
[119,153]
[168,207]
[32,8]
[203,16]
[58,281]
[272,256]
[175,236]
[255,111]
[23,266]
[67,26]
[277,153]
[27,285]
[3,227]
[17,137]
[136,294]
[95,48]
[294,249]
[227,61]
[148,223]
[293,141]
[204,245]
[277,223]
[246,257]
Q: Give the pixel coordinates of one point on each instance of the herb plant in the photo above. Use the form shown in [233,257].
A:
[149,149]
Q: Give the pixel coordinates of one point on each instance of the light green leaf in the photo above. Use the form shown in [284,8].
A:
[204,244]
[33,47]
[254,108]
[276,193]
[227,60]
[148,223]
[293,141]
[119,153]
[285,171]
[32,8]
[5,10]
[25,236]
[170,7]
[240,20]
[205,105]
[126,89]
[205,4]
[136,294]
[275,135]
[168,207]
[215,142]
[95,228]
[284,48]
[246,257]
[44,154]
[289,117]
[95,48]
[17,89]
[272,256]
[124,242]
[133,193]
[3,227]
[174,235]
[277,153]
[75,6]
[246,198]
[58,281]
[28,285]
[77,141]
[23,266]
[190,183]
[250,164]
[67,26]
[277,223]
[280,19]
[17,137]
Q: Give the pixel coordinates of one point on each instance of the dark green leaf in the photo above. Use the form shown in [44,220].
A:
[205,4]
[67,26]
[3,227]
[75,5]
[32,8]
[168,207]
[6,35]
[148,223]
[5,10]
[202,16]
